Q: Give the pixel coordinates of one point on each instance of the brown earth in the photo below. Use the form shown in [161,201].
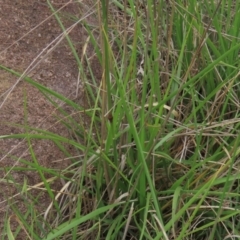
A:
[27,27]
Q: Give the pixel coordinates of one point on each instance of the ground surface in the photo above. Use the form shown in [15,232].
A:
[26,28]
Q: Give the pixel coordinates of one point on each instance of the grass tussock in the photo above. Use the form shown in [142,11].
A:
[159,155]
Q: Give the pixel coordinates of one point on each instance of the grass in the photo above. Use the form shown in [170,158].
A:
[160,157]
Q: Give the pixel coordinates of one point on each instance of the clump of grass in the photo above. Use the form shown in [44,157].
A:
[161,153]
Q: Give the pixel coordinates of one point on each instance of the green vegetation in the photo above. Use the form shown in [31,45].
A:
[160,158]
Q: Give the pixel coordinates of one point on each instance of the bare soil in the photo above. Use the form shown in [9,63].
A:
[27,27]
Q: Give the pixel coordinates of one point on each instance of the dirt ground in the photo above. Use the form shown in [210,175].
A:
[26,28]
